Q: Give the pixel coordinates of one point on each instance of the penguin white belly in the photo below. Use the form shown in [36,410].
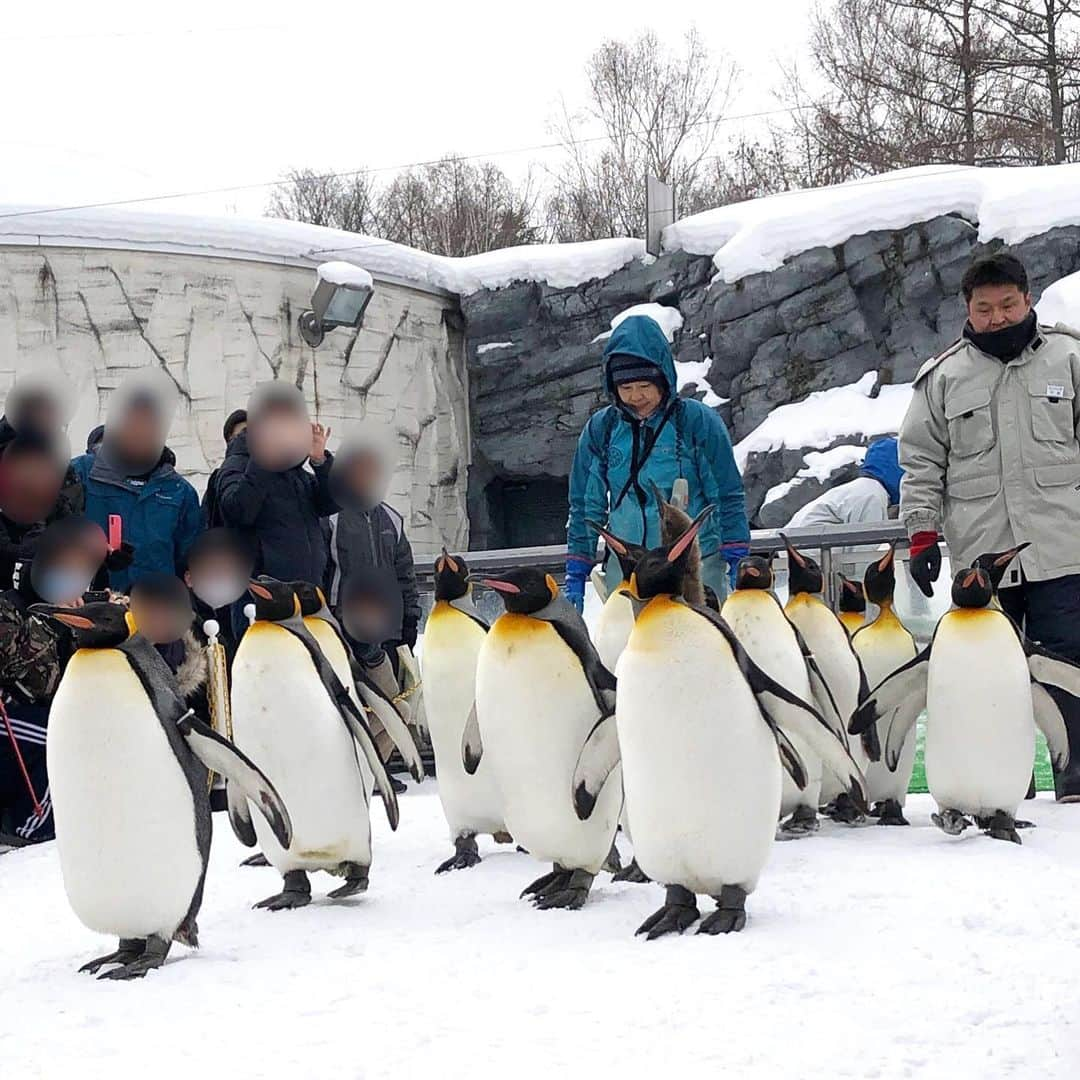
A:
[452,643]
[831,646]
[284,719]
[535,711]
[764,632]
[980,732]
[613,627]
[884,646]
[125,816]
[700,767]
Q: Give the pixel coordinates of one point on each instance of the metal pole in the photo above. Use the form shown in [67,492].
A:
[829,576]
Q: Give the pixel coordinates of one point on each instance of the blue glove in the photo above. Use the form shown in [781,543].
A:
[735,553]
[577,573]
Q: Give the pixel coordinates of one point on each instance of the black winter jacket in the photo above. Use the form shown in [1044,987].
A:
[280,511]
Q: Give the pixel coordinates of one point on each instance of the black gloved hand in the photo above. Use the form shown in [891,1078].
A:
[120,559]
[925,562]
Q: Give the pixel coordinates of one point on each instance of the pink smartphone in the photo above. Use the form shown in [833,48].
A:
[116,532]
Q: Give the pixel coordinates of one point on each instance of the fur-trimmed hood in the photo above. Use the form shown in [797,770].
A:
[193,671]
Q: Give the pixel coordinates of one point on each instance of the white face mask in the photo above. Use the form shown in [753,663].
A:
[218,592]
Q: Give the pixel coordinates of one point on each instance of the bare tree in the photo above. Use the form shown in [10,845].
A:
[659,113]
[338,201]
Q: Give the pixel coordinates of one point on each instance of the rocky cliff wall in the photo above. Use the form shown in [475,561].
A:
[883,301]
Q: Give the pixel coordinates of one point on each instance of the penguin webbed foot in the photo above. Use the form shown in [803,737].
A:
[571,897]
[730,914]
[803,822]
[951,822]
[258,859]
[553,882]
[466,855]
[128,950]
[889,812]
[296,894]
[356,881]
[1000,826]
[844,810]
[633,873]
[679,913]
[153,956]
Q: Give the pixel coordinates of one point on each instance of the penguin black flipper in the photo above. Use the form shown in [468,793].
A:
[596,762]
[790,758]
[472,747]
[870,740]
[570,626]
[222,757]
[900,698]
[782,708]
[350,714]
[240,816]
[1048,670]
[819,688]
[1051,723]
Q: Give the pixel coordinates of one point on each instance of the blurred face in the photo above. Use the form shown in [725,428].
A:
[159,621]
[38,413]
[218,579]
[368,619]
[279,439]
[29,486]
[365,476]
[994,307]
[66,576]
[138,438]
[642,397]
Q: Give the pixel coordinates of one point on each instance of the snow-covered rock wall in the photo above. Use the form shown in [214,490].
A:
[220,325]
[883,301]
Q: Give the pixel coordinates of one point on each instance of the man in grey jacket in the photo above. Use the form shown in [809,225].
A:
[991,459]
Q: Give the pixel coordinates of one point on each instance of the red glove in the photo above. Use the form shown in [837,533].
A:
[920,542]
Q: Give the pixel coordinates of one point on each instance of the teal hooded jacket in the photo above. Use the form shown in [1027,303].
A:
[618,455]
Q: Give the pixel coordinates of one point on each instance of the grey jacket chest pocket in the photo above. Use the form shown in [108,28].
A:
[1051,403]
[971,422]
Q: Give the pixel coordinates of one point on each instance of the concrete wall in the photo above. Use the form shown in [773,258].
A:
[218,326]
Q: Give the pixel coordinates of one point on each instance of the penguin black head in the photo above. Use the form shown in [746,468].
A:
[524,591]
[310,597]
[880,579]
[629,555]
[451,577]
[275,600]
[804,574]
[972,588]
[754,572]
[852,596]
[661,571]
[995,563]
[93,626]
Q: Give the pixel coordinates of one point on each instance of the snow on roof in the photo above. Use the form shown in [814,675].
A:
[1008,204]
[828,415]
[1060,302]
[277,240]
[343,273]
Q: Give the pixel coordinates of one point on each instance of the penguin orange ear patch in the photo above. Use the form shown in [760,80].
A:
[553,586]
[130,620]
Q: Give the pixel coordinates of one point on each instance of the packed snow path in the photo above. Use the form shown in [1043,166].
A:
[870,952]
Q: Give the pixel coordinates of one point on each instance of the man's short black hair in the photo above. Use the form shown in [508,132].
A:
[166,588]
[232,421]
[1001,268]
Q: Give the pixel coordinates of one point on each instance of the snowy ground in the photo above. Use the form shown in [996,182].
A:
[869,953]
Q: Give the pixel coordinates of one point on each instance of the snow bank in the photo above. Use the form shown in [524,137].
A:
[491,346]
[818,465]
[693,376]
[828,415]
[343,273]
[868,952]
[669,319]
[1060,302]
[1008,204]
[558,265]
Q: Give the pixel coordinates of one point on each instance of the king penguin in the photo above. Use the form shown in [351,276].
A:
[128,777]
[290,709]
[830,643]
[540,690]
[699,736]
[366,693]
[984,690]
[453,637]
[852,605]
[756,618]
[883,646]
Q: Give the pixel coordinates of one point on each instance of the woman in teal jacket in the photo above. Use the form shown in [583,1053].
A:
[648,434]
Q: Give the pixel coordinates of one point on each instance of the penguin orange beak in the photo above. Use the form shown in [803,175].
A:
[79,622]
[1008,556]
[678,549]
[751,571]
[261,591]
[612,541]
[500,586]
[793,552]
[447,560]
[971,578]
[886,560]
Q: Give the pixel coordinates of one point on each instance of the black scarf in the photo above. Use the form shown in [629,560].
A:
[1005,344]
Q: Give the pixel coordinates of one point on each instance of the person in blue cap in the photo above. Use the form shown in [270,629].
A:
[864,499]
[649,435]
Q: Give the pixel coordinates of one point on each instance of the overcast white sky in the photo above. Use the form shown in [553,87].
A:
[119,100]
